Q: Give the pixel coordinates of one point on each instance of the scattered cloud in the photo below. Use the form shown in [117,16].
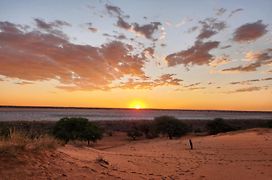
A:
[114,10]
[198,54]
[220,11]
[183,21]
[37,56]
[247,82]
[247,89]
[52,27]
[163,80]
[146,30]
[250,32]
[235,11]
[24,83]
[149,52]
[91,28]
[221,60]
[192,85]
[259,59]
[225,47]
[210,27]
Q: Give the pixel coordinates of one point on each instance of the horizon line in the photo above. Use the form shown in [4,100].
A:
[163,109]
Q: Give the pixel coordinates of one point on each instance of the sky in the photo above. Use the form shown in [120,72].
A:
[179,54]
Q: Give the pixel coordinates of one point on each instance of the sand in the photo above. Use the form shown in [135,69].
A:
[236,155]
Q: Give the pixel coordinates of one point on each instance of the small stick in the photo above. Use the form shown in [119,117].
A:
[191,144]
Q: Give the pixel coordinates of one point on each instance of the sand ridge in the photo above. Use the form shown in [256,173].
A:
[236,155]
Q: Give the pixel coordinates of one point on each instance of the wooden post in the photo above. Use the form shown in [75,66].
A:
[191,144]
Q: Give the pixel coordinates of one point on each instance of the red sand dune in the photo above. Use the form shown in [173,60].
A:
[237,155]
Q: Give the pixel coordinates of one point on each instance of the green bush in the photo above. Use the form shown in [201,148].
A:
[76,129]
[149,130]
[134,133]
[269,124]
[91,133]
[170,126]
[218,125]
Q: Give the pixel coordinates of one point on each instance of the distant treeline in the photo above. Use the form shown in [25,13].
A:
[68,107]
[34,128]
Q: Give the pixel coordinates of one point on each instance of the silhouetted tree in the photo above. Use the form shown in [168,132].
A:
[218,125]
[149,130]
[76,129]
[269,124]
[134,133]
[91,133]
[171,126]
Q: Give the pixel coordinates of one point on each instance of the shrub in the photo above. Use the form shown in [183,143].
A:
[269,124]
[218,125]
[4,131]
[149,130]
[91,133]
[134,133]
[171,126]
[76,129]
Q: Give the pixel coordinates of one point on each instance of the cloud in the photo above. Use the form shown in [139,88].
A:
[220,11]
[146,30]
[235,11]
[113,10]
[259,59]
[221,60]
[163,80]
[183,21]
[121,23]
[244,82]
[24,83]
[210,27]
[245,68]
[247,89]
[198,54]
[250,32]
[266,79]
[192,85]
[38,56]
[91,28]
[52,27]
[149,52]
[225,47]
[250,81]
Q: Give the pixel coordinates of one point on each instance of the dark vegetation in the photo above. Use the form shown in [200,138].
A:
[218,125]
[81,129]
[170,126]
[77,129]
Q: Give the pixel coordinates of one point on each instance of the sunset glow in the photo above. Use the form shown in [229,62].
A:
[137,105]
[179,55]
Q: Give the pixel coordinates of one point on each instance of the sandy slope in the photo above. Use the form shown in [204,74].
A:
[238,155]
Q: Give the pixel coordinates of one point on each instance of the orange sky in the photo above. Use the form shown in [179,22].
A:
[179,55]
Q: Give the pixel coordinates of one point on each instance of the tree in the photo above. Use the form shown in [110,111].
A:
[269,124]
[218,125]
[76,129]
[171,126]
[134,133]
[149,130]
[91,133]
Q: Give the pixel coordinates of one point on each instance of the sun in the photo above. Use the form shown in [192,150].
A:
[137,104]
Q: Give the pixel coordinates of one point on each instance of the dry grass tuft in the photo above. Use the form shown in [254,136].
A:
[17,142]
